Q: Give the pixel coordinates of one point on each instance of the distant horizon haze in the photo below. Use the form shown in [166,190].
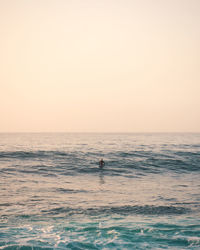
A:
[97,132]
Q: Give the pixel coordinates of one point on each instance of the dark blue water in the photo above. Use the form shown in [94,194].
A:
[54,196]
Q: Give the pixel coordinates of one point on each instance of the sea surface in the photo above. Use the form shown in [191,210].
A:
[54,196]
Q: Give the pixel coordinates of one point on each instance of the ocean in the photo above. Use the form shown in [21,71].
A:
[54,196]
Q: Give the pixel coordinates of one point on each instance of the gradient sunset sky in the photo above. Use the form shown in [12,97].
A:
[100,66]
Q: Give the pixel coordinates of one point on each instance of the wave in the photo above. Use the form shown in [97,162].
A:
[97,236]
[117,162]
[24,247]
[102,211]
[112,239]
[30,154]
[121,210]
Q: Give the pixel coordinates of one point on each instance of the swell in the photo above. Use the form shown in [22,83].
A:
[121,210]
[117,162]
[104,211]
[33,154]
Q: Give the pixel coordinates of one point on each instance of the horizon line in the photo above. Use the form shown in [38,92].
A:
[99,132]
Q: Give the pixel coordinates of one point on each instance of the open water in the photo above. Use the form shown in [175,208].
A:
[54,196]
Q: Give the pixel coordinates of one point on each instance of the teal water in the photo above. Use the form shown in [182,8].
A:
[54,196]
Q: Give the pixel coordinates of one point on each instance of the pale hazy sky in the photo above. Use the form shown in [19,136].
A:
[100,65]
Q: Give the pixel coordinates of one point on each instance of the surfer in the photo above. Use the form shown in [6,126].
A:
[101,163]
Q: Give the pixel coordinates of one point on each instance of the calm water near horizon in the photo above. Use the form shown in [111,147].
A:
[54,196]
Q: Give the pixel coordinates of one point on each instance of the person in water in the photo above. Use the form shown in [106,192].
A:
[101,163]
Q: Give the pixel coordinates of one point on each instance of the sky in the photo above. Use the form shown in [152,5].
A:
[99,66]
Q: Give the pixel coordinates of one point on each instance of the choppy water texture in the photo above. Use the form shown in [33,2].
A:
[54,196]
